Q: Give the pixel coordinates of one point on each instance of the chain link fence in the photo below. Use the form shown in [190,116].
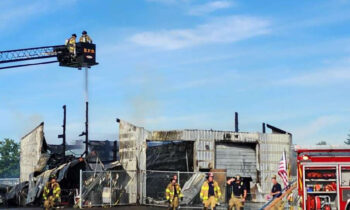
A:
[112,188]
[9,181]
[155,183]
[108,188]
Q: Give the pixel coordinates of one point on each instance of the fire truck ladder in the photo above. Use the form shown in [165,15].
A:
[27,54]
[84,56]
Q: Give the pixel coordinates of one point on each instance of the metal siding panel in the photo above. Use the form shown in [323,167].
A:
[193,135]
[132,151]
[237,159]
[204,154]
[271,148]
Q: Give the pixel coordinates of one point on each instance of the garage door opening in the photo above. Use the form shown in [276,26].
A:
[237,159]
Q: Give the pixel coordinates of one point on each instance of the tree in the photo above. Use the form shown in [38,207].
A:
[322,143]
[9,159]
[347,140]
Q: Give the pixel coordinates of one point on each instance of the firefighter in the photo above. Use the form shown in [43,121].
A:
[210,192]
[173,193]
[70,43]
[175,177]
[85,38]
[238,193]
[276,192]
[52,193]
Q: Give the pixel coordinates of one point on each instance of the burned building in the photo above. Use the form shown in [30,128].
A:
[254,156]
[39,160]
[147,161]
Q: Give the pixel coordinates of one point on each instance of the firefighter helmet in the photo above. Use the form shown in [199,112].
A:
[52,176]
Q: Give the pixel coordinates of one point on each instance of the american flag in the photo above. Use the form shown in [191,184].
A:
[282,169]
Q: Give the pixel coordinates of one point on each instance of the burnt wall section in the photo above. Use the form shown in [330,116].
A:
[132,153]
[209,148]
[106,150]
[170,155]
[33,155]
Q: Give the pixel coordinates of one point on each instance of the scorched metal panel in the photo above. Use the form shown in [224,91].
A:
[236,159]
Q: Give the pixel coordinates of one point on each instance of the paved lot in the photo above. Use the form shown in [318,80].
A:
[117,208]
[249,206]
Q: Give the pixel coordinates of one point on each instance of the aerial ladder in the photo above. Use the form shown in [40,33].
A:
[85,57]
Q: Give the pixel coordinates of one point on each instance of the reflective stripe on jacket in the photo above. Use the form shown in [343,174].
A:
[56,191]
[71,41]
[85,38]
[205,191]
[169,191]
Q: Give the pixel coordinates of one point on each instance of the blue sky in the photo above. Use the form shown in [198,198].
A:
[175,64]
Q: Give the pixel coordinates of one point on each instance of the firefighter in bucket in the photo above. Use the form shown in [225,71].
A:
[52,193]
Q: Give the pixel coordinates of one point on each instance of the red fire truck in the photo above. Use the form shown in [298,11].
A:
[324,177]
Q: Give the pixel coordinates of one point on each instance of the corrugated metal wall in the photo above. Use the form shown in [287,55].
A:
[268,150]
[204,154]
[132,152]
[271,149]
[237,159]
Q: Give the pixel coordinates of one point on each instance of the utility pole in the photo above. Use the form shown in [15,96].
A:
[236,122]
[63,135]
[264,128]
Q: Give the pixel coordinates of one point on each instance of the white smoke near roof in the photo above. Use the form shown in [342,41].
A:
[25,123]
[145,102]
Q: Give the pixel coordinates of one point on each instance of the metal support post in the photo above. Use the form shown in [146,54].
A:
[80,189]
[63,135]
[110,186]
[87,129]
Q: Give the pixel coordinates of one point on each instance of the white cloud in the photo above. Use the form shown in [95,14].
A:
[306,133]
[221,30]
[162,1]
[15,12]
[190,121]
[210,7]
[169,1]
[210,80]
[325,77]
[193,84]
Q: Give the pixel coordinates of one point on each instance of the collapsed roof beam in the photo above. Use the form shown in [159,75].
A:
[277,130]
